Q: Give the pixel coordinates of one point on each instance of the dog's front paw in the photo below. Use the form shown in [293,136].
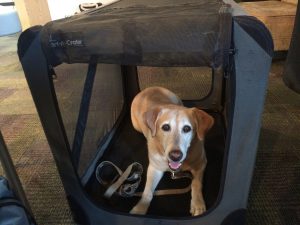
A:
[140,209]
[197,208]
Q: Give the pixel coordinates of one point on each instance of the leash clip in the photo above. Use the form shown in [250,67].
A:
[173,175]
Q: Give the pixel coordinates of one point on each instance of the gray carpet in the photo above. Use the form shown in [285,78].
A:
[275,192]
[27,143]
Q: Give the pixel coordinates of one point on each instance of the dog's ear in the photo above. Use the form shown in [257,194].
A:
[203,122]
[150,118]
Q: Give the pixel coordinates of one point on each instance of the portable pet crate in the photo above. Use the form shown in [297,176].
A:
[84,71]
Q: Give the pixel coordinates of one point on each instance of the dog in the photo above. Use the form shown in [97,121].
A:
[175,139]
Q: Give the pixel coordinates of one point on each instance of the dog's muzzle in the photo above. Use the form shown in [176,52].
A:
[174,159]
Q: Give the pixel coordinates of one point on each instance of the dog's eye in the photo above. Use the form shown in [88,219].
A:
[186,129]
[166,127]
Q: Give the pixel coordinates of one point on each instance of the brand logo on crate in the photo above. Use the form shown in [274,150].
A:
[74,39]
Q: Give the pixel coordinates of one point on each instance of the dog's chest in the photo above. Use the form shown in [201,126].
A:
[159,161]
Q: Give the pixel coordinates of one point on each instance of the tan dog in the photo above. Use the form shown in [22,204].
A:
[175,136]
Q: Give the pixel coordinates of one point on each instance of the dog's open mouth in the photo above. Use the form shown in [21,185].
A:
[174,165]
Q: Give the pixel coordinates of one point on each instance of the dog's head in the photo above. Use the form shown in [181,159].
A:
[175,128]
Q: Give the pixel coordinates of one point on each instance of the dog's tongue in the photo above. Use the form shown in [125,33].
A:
[174,165]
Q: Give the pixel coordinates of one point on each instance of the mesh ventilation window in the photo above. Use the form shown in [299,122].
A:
[105,105]
[189,83]
[69,87]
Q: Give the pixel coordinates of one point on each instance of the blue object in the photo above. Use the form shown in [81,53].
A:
[12,210]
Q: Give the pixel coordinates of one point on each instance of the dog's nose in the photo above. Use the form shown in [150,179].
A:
[175,155]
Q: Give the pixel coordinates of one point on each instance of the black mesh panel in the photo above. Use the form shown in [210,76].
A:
[189,83]
[105,105]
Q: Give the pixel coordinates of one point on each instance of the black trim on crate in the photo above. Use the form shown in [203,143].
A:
[7,3]
[237,217]
[258,31]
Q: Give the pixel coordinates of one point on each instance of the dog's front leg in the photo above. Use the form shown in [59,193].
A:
[197,202]
[153,177]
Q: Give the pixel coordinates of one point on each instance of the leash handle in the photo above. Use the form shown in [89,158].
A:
[100,167]
[114,187]
[132,175]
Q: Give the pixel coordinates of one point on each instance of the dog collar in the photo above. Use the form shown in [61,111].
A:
[180,174]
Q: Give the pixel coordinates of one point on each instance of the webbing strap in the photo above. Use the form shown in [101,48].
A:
[133,175]
[83,112]
[226,33]
[168,191]
[112,189]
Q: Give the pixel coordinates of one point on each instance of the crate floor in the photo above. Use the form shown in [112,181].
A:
[130,146]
